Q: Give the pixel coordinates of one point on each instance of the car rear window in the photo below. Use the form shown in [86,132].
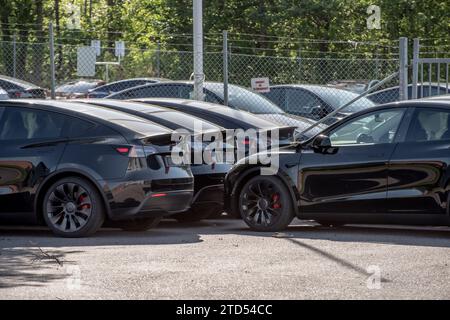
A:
[252,120]
[186,121]
[144,128]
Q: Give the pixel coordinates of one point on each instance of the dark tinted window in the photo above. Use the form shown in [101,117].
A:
[23,123]
[187,92]
[210,97]
[252,120]
[302,101]
[145,128]
[277,96]
[122,85]
[243,99]
[185,121]
[6,85]
[429,125]
[78,128]
[162,91]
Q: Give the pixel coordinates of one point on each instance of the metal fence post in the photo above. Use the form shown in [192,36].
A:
[299,59]
[403,72]
[415,64]
[14,56]
[158,59]
[52,61]
[225,67]
[199,76]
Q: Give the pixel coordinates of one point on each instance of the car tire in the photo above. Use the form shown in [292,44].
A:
[139,225]
[73,208]
[265,204]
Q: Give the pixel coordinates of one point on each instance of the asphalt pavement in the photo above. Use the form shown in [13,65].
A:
[223,259]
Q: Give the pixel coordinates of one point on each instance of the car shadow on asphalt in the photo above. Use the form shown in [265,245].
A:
[429,237]
[24,255]
[172,232]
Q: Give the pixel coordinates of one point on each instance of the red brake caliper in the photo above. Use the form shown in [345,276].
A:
[84,206]
[276,201]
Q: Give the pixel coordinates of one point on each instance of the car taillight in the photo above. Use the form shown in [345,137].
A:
[17,94]
[158,195]
[135,151]
[123,150]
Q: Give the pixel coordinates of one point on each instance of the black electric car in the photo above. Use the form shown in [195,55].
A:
[387,164]
[75,166]
[209,178]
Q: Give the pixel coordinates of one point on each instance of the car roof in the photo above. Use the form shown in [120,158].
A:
[423,103]
[155,80]
[22,83]
[433,85]
[209,85]
[132,105]
[217,109]
[445,97]
[103,115]
[166,114]
[315,88]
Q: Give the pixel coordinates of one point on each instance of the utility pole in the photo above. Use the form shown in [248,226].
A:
[199,77]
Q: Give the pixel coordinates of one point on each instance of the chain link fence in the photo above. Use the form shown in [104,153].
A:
[305,86]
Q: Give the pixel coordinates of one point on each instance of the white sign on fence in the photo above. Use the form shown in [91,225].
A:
[96,44]
[120,49]
[86,58]
[261,85]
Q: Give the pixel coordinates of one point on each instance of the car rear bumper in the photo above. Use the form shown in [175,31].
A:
[209,184]
[154,198]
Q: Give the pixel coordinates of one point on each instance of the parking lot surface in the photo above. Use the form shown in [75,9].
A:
[222,259]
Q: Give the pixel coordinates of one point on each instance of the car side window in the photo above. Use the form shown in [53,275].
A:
[429,125]
[299,100]
[78,128]
[374,128]
[162,91]
[23,123]
[8,85]
[277,96]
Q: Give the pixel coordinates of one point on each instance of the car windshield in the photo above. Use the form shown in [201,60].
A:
[337,98]
[244,99]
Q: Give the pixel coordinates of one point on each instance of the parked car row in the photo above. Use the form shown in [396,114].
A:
[79,165]
[284,103]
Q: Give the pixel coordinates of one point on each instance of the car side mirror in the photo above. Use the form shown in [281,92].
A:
[322,144]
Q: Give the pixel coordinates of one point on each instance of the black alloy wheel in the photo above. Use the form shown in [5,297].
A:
[73,208]
[265,204]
